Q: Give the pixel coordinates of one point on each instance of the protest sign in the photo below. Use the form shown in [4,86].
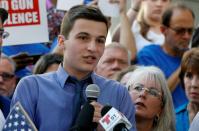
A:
[27,21]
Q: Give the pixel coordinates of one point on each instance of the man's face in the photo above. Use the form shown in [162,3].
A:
[179,33]
[7,78]
[112,61]
[84,47]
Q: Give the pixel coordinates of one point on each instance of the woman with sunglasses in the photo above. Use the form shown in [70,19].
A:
[152,98]
[189,77]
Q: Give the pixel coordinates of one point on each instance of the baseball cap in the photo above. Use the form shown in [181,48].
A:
[3,14]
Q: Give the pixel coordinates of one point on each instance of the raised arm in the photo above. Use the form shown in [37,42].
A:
[126,37]
[131,14]
[174,80]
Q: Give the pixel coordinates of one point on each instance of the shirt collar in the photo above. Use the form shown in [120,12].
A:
[62,76]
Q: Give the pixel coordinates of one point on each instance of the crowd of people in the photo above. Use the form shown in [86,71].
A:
[149,72]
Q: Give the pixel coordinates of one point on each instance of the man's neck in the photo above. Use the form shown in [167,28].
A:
[168,50]
[77,74]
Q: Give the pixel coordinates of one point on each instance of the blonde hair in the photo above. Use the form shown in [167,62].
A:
[166,120]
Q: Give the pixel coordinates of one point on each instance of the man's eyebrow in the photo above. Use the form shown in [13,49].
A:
[83,33]
[102,36]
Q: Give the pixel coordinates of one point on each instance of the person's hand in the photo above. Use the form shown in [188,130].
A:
[122,5]
[93,3]
[135,4]
[97,113]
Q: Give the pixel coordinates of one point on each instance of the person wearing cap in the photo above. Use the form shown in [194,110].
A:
[4,102]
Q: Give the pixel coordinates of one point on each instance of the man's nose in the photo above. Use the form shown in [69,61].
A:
[116,65]
[92,45]
[159,2]
[1,78]
[187,35]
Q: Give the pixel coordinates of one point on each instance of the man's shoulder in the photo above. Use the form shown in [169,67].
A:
[150,49]
[104,81]
[45,76]
[111,88]
[38,79]
[5,105]
[150,55]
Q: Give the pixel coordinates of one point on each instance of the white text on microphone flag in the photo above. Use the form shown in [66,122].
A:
[112,118]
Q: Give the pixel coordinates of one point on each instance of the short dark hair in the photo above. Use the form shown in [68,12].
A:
[78,12]
[166,17]
[3,14]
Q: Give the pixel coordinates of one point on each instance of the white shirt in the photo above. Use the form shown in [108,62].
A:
[2,120]
[141,41]
[195,123]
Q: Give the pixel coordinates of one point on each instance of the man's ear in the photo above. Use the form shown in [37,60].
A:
[61,40]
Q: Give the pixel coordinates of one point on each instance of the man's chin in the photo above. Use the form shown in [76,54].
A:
[111,76]
[184,49]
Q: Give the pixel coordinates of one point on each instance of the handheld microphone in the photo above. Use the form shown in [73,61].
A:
[84,119]
[92,92]
[113,120]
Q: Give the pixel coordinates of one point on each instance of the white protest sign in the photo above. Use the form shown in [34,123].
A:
[27,21]
[67,4]
[109,9]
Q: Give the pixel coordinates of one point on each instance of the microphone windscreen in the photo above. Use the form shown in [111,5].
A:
[105,109]
[85,118]
[120,127]
[92,91]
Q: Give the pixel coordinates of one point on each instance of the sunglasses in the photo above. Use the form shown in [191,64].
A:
[6,76]
[3,34]
[182,31]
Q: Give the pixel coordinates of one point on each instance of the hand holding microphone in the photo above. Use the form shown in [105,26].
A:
[112,119]
[84,119]
[88,113]
[92,93]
